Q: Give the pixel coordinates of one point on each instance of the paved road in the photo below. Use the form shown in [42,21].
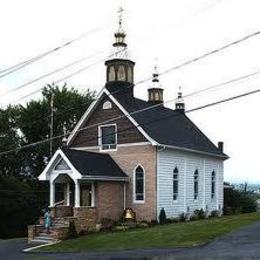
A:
[241,244]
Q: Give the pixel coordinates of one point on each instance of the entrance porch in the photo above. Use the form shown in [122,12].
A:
[84,188]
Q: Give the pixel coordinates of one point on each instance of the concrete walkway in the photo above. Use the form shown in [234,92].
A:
[241,244]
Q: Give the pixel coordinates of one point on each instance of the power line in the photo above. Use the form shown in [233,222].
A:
[48,74]
[66,77]
[188,62]
[246,76]
[25,63]
[138,111]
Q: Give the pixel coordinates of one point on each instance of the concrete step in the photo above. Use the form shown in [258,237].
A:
[39,240]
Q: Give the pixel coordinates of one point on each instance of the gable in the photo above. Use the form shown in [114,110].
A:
[105,110]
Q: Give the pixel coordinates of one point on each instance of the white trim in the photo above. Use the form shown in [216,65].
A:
[100,138]
[184,185]
[93,201]
[124,196]
[92,106]
[104,178]
[178,184]
[153,142]
[134,173]
[85,116]
[204,185]
[73,173]
[118,145]
[194,151]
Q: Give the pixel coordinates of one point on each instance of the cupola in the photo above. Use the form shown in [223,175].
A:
[155,93]
[120,68]
[179,104]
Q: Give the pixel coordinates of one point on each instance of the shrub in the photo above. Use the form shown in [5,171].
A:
[182,217]
[107,224]
[201,214]
[214,214]
[162,217]
[72,233]
[236,201]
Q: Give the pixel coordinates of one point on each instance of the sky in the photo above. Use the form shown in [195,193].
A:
[167,32]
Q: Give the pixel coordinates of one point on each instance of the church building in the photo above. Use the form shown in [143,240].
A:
[126,152]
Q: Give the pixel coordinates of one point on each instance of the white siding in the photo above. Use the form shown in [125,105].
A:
[187,163]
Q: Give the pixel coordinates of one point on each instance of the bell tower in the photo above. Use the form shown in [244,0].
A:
[120,68]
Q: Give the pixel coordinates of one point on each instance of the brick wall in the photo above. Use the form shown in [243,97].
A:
[110,199]
[128,158]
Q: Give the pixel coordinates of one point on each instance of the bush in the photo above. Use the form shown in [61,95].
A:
[214,214]
[72,233]
[107,224]
[182,217]
[162,217]
[236,201]
[201,214]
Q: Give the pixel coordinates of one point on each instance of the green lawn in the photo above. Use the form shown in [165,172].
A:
[160,236]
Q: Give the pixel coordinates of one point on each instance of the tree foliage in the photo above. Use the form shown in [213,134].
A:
[21,125]
[236,201]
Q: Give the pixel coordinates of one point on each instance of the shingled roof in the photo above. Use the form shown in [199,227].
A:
[164,125]
[94,164]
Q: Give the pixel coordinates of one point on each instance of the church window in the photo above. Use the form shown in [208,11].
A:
[107,137]
[196,185]
[130,75]
[139,186]
[112,74]
[175,183]
[121,73]
[107,105]
[213,184]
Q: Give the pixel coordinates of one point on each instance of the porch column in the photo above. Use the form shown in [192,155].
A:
[52,193]
[77,194]
[68,194]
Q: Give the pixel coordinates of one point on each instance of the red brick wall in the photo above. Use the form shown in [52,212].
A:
[109,199]
[128,158]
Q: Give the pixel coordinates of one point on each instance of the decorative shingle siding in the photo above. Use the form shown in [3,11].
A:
[187,163]
[127,132]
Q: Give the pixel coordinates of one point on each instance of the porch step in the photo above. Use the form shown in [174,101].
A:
[43,240]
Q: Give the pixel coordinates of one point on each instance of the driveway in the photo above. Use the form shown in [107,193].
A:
[241,244]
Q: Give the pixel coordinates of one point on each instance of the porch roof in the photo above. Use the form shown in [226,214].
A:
[94,164]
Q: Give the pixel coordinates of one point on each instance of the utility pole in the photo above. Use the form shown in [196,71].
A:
[51,124]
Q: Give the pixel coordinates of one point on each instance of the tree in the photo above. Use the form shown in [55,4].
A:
[34,121]
[21,195]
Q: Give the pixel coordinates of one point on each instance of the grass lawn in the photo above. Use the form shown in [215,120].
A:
[160,236]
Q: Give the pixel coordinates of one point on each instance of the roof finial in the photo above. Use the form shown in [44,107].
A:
[155,71]
[179,104]
[120,17]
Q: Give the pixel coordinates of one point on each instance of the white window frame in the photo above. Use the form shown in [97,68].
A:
[134,187]
[100,138]
[177,179]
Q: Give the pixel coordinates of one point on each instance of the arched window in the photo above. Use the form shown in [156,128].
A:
[129,75]
[139,184]
[107,105]
[112,74]
[213,184]
[121,73]
[196,185]
[175,183]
